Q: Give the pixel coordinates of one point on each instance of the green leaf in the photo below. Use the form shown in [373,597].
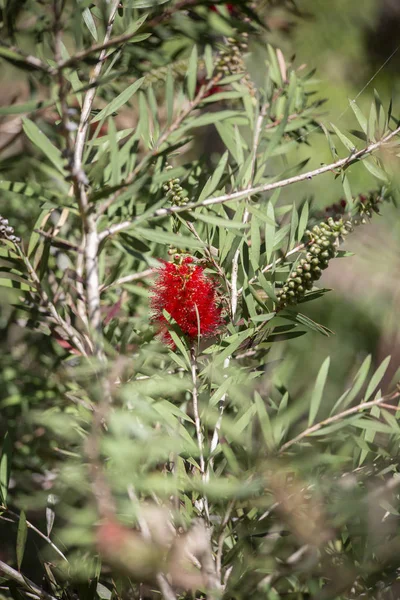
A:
[38,138]
[119,101]
[90,24]
[5,467]
[318,391]
[22,534]
[265,421]
[219,221]
[303,221]
[255,245]
[214,180]
[349,395]
[359,116]
[345,140]
[376,378]
[163,237]
[371,166]
[191,74]
[147,3]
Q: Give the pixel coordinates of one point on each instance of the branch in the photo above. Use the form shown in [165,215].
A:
[266,187]
[72,334]
[161,140]
[25,582]
[91,245]
[350,411]
[82,54]
[128,279]
[14,54]
[199,433]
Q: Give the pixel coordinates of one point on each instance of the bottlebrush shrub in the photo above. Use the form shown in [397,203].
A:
[173,196]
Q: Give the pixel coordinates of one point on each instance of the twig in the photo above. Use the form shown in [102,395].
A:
[350,411]
[72,334]
[266,187]
[82,54]
[161,140]
[128,279]
[197,422]
[25,582]
[58,242]
[15,54]
[36,530]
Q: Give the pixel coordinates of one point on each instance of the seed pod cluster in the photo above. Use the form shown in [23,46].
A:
[7,232]
[177,197]
[231,61]
[175,192]
[323,241]
[321,248]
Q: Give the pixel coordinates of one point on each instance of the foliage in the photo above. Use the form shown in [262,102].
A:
[133,466]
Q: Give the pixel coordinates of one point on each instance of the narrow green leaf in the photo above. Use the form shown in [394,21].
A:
[345,140]
[208,60]
[265,421]
[5,467]
[359,116]
[212,183]
[89,22]
[169,96]
[376,378]
[371,166]
[303,221]
[318,391]
[39,139]
[119,101]
[191,74]
[22,534]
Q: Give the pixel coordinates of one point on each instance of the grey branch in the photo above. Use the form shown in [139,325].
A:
[266,187]
[383,402]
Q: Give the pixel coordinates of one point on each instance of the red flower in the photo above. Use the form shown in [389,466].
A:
[189,296]
[215,89]
[230,7]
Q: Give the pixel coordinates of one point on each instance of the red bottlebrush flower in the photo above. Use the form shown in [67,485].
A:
[215,89]
[189,296]
[230,7]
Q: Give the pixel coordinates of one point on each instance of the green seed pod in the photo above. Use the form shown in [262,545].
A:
[307,276]
[306,266]
[292,285]
[314,261]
